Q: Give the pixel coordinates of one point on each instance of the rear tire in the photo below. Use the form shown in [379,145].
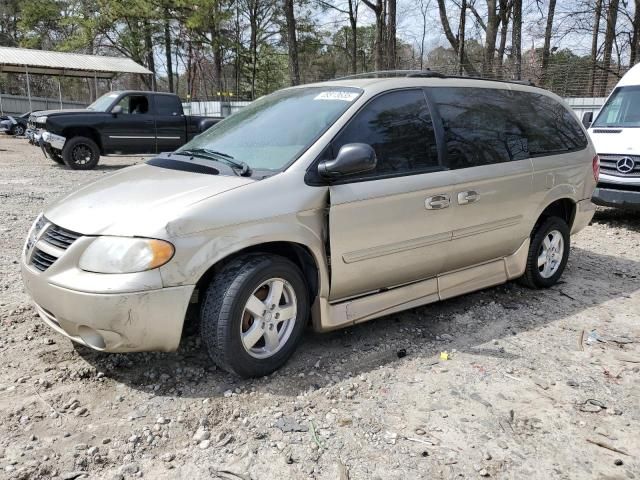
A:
[81,153]
[548,253]
[254,344]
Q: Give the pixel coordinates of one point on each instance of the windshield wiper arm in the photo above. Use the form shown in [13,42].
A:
[244,168]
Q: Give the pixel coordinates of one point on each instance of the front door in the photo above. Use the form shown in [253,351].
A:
[170,123]
[132,130]
[390,226]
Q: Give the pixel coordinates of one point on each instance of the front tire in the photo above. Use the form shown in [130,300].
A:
[81,153]
[548,253]
[18,130]
[253,314]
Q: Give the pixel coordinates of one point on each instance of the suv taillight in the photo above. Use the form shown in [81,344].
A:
[596,168]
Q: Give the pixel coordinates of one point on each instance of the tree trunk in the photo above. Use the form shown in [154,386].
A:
[391,34]
[461,34]
[635,38]
[546,50]
[516,39]
[379,40]
[151,64]
[353,22]
[453,41]
[491,35]
[167,48]
[594,46]
[505,14]
[612,18]
[292,43]
[253,46]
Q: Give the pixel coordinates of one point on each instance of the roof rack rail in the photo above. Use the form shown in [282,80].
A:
[392,74]
[427,73]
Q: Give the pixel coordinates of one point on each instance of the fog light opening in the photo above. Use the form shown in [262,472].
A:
[91,337]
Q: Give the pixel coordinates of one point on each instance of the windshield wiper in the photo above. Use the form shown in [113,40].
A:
[244,168]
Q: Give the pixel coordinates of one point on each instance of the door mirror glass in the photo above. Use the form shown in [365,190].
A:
[352,158]
[587,118]
[117,110]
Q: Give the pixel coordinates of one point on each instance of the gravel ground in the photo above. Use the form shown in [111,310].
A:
[528,392]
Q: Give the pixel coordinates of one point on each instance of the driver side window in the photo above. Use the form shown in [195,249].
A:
[399,128]
[134,104]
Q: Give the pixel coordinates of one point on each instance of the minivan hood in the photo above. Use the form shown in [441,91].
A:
[136,201]
[615,141]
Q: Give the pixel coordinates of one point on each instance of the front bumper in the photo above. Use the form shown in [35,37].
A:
[150,320]
[52,140]
[610,196]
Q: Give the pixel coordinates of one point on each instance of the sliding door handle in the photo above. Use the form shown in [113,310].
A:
[468,197]
[437,202]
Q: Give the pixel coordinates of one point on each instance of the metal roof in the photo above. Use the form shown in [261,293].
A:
[44,62]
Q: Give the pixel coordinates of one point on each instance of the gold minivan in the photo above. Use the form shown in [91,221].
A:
[330,204]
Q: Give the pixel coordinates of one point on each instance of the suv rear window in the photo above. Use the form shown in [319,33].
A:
[483,126]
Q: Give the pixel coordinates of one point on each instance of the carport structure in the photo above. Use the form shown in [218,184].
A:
[62,64]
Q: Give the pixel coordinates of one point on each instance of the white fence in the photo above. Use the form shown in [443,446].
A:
[213,108]
[582,105]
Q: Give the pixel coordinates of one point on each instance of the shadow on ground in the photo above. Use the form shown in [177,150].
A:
[368,346]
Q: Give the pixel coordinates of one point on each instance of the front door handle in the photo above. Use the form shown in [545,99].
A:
[468,197]
[437,202]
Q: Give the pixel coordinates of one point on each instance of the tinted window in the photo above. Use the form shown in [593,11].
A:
[484,126]
[399,128]
[167,105]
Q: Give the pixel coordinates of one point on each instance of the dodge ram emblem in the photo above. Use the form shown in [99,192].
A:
[625,164]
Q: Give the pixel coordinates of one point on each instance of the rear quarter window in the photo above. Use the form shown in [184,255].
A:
[483,126]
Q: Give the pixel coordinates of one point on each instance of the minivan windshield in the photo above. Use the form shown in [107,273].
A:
[622,109]
[273,131]
[102,103]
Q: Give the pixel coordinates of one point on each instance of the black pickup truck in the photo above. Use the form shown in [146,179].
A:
[125,122]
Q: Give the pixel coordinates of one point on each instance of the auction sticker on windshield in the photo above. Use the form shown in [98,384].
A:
[337,95]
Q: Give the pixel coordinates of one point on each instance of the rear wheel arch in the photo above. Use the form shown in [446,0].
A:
[564,208]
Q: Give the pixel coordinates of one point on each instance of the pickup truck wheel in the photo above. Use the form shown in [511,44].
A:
[81,153]
[548,254]
[253,314]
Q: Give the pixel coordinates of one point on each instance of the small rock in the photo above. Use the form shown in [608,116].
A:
[502,444]
[162,420]
[168,457]
[204,444]
[201,435]
[618,461]
[483,473]
[92,451]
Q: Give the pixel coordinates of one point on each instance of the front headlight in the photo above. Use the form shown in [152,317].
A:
[125,255]
[35,229]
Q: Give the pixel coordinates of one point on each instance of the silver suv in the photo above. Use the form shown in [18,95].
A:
[330,204]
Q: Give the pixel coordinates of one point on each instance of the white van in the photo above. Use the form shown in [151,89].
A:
[615,134]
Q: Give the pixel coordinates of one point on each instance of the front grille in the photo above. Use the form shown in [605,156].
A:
[56,236]
[608,165]
[60,237]
[41,260]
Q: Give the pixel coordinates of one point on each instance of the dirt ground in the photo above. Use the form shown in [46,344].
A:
[539,384]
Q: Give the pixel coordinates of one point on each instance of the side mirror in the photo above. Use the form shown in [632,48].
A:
[352,158]
[117,110]
[587,118]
